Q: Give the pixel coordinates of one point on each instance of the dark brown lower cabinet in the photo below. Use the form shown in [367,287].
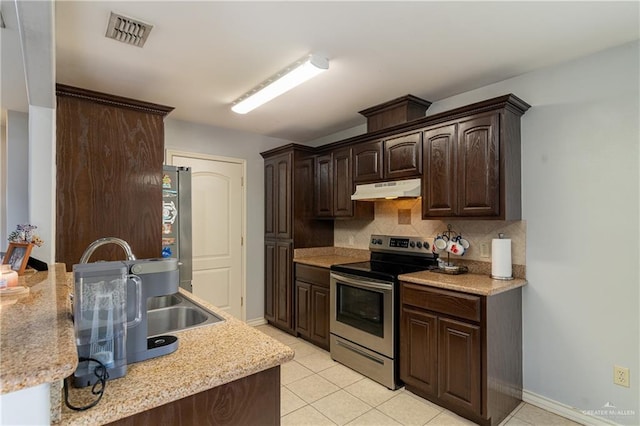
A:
[278,292]
[419,354]
[312,304]
[459,369]
[462,351]
[252,400]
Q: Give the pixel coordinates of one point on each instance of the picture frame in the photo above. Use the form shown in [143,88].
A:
[17,256]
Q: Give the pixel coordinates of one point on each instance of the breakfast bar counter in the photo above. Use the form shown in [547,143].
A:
[38,348]
[37,342]
[207,357]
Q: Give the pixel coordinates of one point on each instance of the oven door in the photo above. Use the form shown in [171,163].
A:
[362,311]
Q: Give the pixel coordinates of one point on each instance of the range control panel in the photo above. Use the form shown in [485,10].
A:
[397,244]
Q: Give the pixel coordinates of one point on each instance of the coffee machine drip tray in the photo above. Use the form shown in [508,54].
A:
[162,345]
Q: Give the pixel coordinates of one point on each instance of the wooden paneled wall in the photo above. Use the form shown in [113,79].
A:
[109,155]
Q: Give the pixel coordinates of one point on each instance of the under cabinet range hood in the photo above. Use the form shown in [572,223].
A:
[409,188]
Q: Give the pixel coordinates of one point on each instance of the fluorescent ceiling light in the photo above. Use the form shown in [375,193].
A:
[292,76]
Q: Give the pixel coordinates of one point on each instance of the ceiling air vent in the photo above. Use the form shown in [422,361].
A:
[128,30]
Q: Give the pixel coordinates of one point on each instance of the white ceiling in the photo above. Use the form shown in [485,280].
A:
[201,56]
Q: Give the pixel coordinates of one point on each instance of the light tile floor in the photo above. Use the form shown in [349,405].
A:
[315,390]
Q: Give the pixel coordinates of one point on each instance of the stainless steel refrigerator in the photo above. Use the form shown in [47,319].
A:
[176,220]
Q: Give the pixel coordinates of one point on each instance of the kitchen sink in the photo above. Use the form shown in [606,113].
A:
[175,312]
[163,301]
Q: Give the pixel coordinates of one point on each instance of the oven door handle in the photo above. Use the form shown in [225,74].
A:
[373,285]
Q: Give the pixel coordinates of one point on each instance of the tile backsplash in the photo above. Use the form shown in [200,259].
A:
[404,218]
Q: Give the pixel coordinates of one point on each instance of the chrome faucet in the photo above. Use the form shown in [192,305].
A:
[107,240]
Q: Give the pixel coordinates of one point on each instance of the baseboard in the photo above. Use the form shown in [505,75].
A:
[256,322]
[563,410]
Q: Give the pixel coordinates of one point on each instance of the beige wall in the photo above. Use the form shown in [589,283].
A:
[391,218]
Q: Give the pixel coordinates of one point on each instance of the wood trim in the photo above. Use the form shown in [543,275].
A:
[402,100]
[112,100]
[287,148]
[396,111]
[510,102]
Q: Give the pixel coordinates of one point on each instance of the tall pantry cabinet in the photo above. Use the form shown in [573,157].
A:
[289,224]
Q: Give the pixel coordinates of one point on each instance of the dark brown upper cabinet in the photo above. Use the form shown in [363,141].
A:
[478,166]
[472,163]
[367,162]
[334,187]
[342,183]
[403,156]
[277,185]
[324,185]
[462,169]
[109,155]
[439,186]
[398,157]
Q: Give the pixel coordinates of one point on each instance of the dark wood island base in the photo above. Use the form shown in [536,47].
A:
[249,401]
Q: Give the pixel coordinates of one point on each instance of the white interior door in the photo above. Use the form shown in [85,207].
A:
[218,211]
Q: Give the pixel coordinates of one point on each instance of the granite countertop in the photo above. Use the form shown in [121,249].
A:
[37,340]
[38,346]
[206,357]
[479,284]
[325,257]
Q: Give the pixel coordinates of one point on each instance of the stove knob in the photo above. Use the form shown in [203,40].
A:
[419,244]
[373,241]
[379,241]
[426,245]
[412,244]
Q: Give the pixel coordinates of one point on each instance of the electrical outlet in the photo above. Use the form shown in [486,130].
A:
[621,376]
[484,250]
[351,240]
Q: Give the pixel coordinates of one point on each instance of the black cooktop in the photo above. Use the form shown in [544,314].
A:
[392,256]
[377,270]
[386,270]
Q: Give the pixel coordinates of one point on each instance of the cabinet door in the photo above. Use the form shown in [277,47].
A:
[367,162]
[342,183]
[439,189]
[283,198]
[403,156]
[459,358]
[270,194]
[283,291]
[304,312]
[269,280]
[324,186]
[478,155]
[419,350]
[320,316]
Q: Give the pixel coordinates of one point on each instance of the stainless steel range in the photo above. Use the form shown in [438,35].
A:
[365,313]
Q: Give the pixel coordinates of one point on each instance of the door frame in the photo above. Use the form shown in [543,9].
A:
[168,157]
